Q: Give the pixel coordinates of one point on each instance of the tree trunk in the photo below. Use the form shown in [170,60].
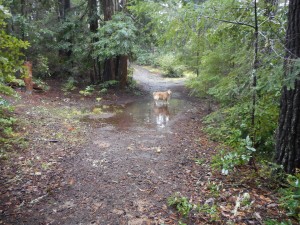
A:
[108,7]
[122,70]
[254,78]
[93,22]
[28,77]
[288,134]
[109,72]
[114,68]
[64,6]
[24,14]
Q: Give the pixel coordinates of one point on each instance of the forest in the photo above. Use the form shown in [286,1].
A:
[70,69]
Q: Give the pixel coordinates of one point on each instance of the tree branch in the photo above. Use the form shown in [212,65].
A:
[228,21]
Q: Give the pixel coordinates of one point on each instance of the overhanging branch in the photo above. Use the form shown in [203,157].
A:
[228,21]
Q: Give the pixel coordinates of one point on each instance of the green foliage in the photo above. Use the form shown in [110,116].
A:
[227,160]
[199,161]
[144,57]
[171,65]
[222,55]
[6,127]
[10,64]
[51,36]
[116,37]
[41,68]
[211,210]
[88,91]
[70,85]
[109,84]
[273,173]
[290,199]
[182,204]
[105,86]
[214,188]
[10,54]
[42,84]
[103,91]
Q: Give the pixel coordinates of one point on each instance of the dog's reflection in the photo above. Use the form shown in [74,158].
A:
[162,114]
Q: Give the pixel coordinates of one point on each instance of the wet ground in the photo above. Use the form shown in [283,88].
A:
[126,171]
[115,164]
[114,161]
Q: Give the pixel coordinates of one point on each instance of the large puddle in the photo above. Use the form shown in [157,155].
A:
[142,113]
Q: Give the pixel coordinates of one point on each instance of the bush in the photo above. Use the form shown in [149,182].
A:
[69,85]
[41,68]
[104,87]
[88,91]
[290,199]
[182,204]
[227,160]
[146,58]
[170,65]
[6,124]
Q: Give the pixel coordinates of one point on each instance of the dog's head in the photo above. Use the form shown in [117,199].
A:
[169,92]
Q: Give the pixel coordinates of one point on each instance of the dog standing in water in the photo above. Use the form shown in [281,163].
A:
[162,96]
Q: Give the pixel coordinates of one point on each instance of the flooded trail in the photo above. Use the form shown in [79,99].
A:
[117,160]
[126,172]
[135,155]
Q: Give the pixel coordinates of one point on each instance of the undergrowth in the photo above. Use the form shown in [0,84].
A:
[9,139]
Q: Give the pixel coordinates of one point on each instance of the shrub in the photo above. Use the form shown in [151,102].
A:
[69,85]
[290,199]
[88,90]
[146,58]
[182,204]
[170,65]
[227,160]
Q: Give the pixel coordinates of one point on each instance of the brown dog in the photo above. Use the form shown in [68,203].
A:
[162,95]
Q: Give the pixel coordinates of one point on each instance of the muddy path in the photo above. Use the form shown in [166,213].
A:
[128,168]
[116,160]
[110,162]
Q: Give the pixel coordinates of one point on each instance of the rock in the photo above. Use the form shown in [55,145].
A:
[210,201]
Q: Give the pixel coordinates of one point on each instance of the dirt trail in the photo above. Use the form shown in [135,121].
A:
[154,81]
[117,159]
[128,168]
[131,158]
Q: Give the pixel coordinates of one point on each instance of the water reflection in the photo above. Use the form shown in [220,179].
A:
[162,115]
[141,113]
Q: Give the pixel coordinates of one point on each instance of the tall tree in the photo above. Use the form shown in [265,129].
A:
[64,6]
[23,12]
[114,68]
[109,64]
[93,22]
[288,136]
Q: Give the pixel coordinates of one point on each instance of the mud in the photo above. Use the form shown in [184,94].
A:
[134,156]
